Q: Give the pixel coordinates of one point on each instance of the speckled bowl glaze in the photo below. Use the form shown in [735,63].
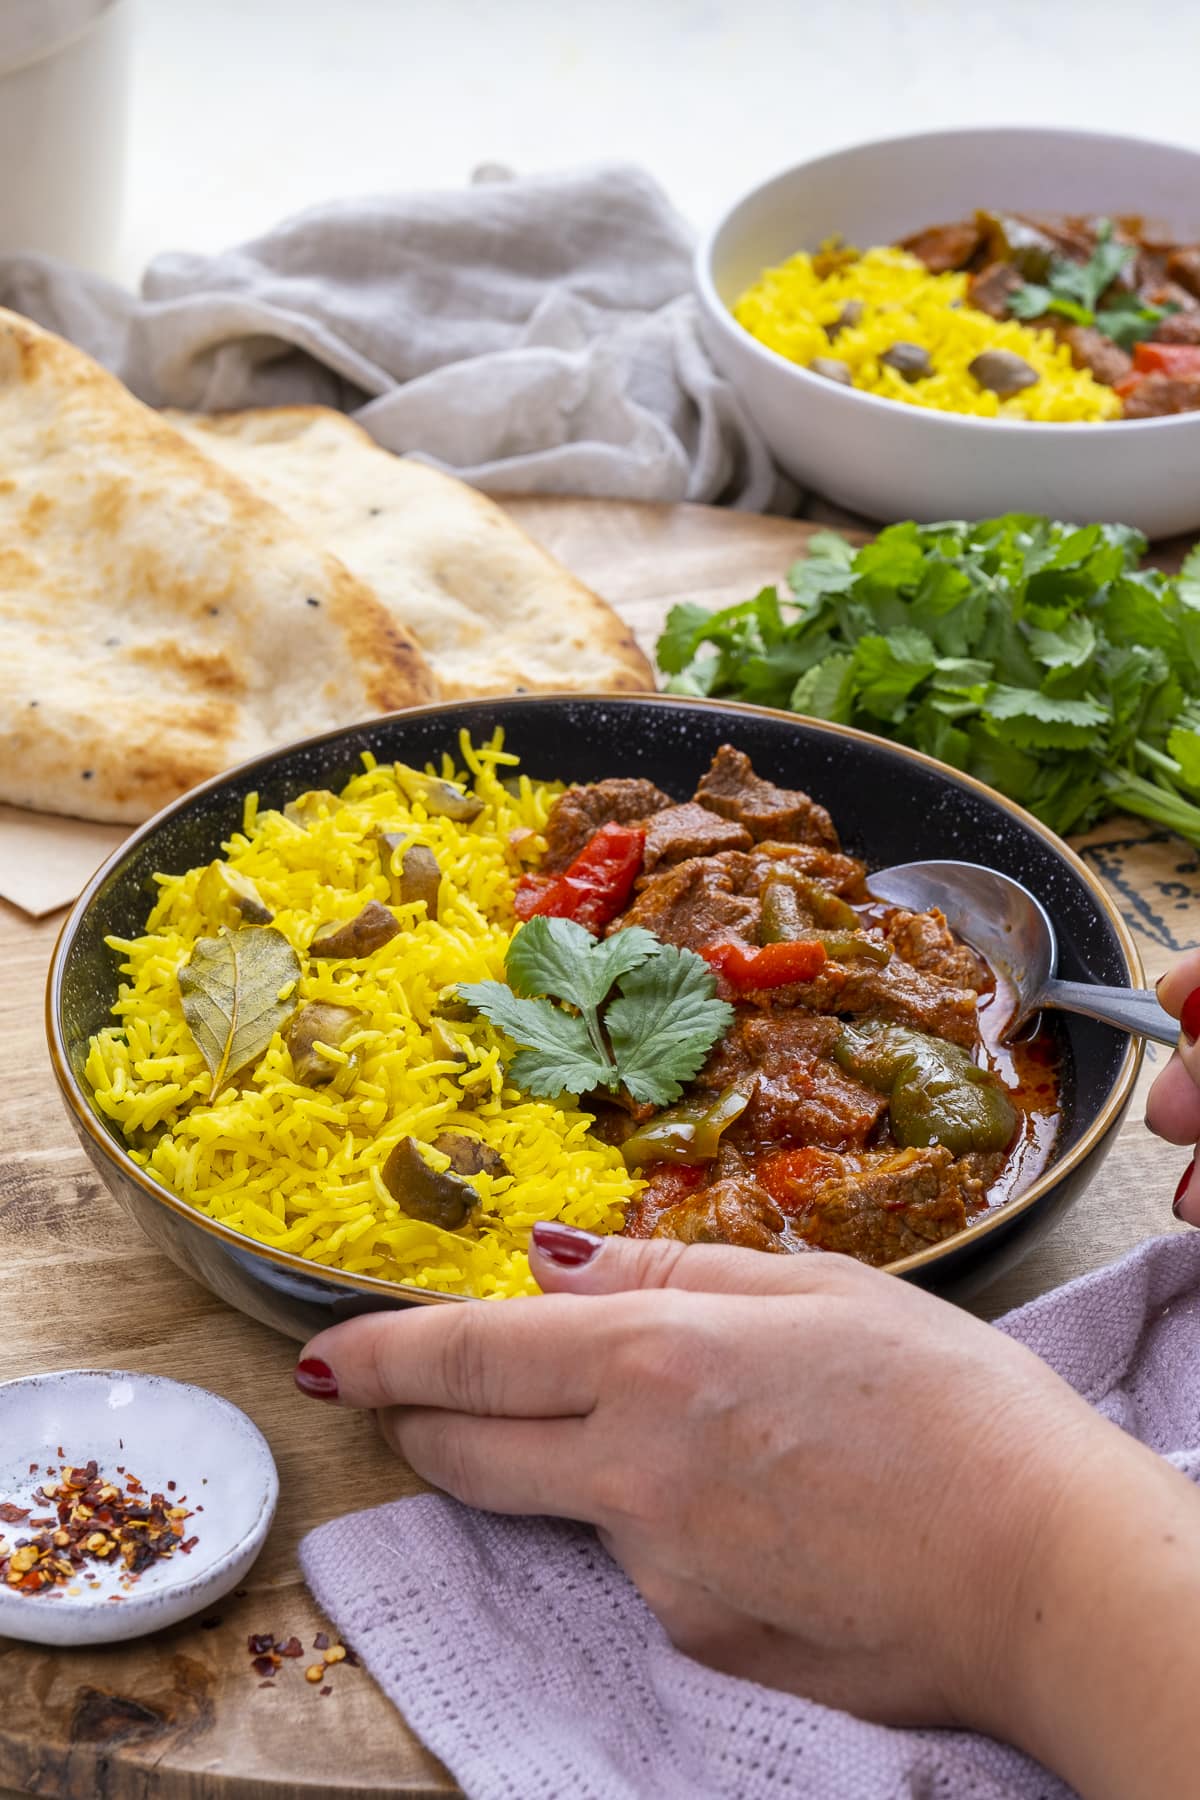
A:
[890,805]
[160,1431]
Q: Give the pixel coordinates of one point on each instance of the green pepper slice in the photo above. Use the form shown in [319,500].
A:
[687,1133]
[937,1095]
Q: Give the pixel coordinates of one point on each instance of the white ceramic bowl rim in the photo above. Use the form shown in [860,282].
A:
[959,421]
[188,1573]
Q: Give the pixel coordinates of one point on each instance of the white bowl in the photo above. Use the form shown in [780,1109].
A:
[892,461]
[161,1431]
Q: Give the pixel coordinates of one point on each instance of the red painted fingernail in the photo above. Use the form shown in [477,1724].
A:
[1182,1189]
[564,1245]
[1189,1016]
[316,1378]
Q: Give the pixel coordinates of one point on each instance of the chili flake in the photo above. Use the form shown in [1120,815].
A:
[93,1520]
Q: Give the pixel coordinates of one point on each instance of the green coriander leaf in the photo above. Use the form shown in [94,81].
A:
[1030,301]
[1069,647]
[954,673]
[1188,585]
[887,669]
[1035,720]
[1184,746]
[824,691]
[664,1022]
[1132,321]
[562,960]
[559,958]
[557,1054]
[700,680]
[827,569]
[680,640]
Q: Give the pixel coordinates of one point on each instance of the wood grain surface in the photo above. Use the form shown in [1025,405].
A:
[181,1714]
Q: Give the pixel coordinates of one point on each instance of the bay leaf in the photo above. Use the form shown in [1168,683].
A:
[230,992]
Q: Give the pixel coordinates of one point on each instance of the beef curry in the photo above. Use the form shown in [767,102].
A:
[860,1101]
[1123,298]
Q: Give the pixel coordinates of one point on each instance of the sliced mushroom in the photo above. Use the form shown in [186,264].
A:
[420,876]
[306,809]
[850,315]
[470,1155]
[445,1044]
[221,882]
[1003,371]
[319,1022]
[423,1193]
[441,799]
[832,369]
[362,935]
[420,879]
[910,361]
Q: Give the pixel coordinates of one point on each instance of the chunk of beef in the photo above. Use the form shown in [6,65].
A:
[736,1211]
[1178,328]
[1155,396]
[770,1044]
[993,288]
[800,1095]
[577,815]
[886,1207]
[1183,266]
[767,862]
[944,247]
[1090,349]
[896,992]
[690,830]
[691,904]
[784,815]
[926,941]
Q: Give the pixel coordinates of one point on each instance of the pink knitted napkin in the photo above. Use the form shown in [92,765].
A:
[526,1661]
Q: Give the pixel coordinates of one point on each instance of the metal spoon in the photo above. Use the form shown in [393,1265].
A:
[1012,930]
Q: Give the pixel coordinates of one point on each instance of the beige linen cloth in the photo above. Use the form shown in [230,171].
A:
[533,335]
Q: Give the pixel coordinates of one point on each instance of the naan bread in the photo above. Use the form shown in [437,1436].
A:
[493,612]
[159,620]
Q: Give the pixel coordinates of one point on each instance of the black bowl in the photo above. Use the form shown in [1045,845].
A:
[890,805]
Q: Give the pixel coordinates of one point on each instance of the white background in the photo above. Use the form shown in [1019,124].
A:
[245,110]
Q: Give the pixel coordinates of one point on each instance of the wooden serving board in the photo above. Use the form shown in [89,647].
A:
[181,1713]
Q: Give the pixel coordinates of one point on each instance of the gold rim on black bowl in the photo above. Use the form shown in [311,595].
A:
[88,1123]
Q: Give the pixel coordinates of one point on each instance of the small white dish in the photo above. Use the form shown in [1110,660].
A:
[892,461]
[162,1432]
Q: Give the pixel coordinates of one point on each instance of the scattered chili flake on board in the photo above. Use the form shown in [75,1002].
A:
[94,1520]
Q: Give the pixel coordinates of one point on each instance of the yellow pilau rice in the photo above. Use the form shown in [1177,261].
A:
[789,307]
[297,1167]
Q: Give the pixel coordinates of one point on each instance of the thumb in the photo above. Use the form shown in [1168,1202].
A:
[567,1261]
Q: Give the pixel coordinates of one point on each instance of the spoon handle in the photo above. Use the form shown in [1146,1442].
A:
[1135,1010]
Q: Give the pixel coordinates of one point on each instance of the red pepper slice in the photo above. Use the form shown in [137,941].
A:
[775,965]
[596,886]
[1166,359]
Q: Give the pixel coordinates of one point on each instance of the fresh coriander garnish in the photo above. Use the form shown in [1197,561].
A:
[1034,655]
[1073,289]
[625,1011]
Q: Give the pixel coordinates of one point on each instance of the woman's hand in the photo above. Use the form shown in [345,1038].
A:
[1173,1104]
[817,1475]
